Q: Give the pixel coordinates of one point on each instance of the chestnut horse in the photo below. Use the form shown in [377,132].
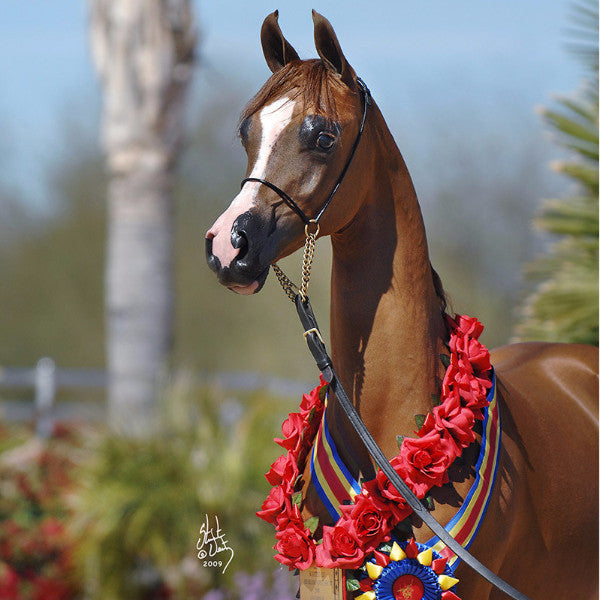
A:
[540,533]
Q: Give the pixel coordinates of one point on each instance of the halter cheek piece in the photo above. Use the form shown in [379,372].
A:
[366,101]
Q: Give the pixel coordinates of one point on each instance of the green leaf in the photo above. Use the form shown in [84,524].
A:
[311,524]
[419,420]
[399,440]
[352,585]
[297,499]
[428,503]
[323,393]
[571,128]
[445,360]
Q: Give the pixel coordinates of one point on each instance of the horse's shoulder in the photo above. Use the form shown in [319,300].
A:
[525,354]
[549,376]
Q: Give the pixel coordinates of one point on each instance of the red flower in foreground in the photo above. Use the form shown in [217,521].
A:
[466,325]
[283,469]
[473,350]
[423,462]
[372,521]
[394,501]
[277,501]
[289,514]
[295,547]
[455,423]
[313,399]
[292,433]
[340,547]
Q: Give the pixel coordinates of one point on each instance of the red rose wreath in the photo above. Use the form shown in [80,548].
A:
[422,463]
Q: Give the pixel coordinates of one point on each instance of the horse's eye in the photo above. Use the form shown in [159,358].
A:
[325,141]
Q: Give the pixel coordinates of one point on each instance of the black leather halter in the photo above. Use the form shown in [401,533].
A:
[366,100]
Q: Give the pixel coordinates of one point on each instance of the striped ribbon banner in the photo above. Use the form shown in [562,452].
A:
[332,479]
[335,484]
[466,522]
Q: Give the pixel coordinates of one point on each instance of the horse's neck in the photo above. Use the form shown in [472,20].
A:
[386,325]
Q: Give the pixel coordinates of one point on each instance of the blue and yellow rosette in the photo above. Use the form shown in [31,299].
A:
[407,571]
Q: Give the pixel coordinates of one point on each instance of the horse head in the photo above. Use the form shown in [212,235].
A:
[299,133]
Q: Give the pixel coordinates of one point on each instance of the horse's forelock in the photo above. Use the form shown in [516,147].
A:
[310,80]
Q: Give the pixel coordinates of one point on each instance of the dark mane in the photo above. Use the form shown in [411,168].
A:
[439,290]
[309,79]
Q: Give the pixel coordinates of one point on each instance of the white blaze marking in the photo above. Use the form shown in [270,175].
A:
[274,118]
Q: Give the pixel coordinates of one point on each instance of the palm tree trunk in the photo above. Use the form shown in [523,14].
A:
[143,50]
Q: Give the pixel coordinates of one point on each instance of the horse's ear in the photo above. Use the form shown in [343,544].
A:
[277,50]
[330,51]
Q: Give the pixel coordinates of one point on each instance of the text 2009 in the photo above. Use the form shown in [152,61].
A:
[212,563]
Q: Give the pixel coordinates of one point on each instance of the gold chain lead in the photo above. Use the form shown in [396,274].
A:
[288,286]
[307,261]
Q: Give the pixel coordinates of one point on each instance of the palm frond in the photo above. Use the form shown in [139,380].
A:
[564,303]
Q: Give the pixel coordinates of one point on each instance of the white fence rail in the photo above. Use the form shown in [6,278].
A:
[46,379]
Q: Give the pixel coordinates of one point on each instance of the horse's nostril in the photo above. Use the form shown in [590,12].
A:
[239,241]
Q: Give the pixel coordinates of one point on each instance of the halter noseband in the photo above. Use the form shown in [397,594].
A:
[366,98]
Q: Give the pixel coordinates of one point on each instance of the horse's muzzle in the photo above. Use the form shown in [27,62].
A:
[246,274]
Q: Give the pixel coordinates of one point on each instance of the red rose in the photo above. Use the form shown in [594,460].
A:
[277,501]
[423,462]
[472,350]
[459,372]
[394,501]
[290,513]
[478,355]
[472,389]
[371,520]
[283,469]
[340,547]
[456,421]
[468,326]
[460,376]
[295,547]
[476,397]
[313,400]
[292,432]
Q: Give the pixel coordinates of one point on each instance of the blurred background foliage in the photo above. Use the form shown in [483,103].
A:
[564,305]
[142,502]
[90,514]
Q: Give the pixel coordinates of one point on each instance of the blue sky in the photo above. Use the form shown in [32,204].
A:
[427,64]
